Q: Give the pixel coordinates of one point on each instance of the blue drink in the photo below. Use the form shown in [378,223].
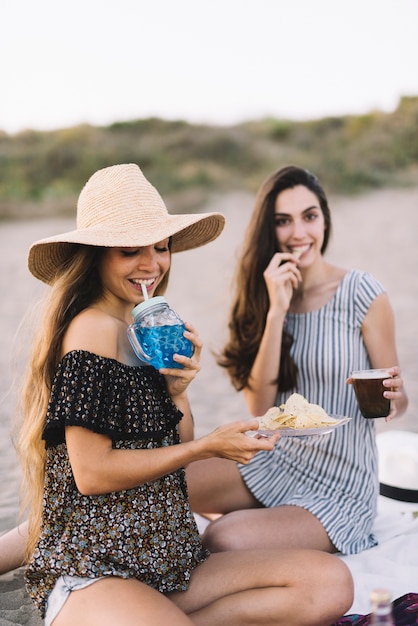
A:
[159,343]
[157,333]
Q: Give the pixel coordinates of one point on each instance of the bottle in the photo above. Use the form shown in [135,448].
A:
[157,333]
[381,608]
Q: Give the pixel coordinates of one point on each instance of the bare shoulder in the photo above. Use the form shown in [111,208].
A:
[380,310]
[94,331]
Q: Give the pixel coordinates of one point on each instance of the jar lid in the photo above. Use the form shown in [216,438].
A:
[378,596]
[146,304]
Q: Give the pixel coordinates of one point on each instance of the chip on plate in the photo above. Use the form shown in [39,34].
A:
[296,413]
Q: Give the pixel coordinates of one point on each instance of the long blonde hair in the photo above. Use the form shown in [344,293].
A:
[76,287]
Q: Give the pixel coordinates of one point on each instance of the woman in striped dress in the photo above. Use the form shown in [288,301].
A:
[300,324]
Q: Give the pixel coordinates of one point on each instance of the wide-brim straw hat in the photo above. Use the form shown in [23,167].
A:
[119,208]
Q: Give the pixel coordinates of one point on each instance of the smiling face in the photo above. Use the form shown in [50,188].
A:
[123,271]
[299,223]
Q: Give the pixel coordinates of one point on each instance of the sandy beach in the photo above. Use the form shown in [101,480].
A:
[376,232]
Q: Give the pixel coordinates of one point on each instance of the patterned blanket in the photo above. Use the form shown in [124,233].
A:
[405,613]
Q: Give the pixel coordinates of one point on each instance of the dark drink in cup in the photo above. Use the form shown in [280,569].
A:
[368,387]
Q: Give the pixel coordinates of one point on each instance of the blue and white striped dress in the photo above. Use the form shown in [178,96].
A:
[334,476]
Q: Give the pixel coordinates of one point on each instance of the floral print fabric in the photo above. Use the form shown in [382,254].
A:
[148,532]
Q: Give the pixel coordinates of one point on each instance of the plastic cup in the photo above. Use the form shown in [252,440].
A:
[368,387]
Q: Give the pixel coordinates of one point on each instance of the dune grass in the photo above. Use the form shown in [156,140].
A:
[42,173]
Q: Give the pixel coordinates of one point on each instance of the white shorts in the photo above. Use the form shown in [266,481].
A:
[62,589]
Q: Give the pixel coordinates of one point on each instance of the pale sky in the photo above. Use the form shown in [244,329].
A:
[210,61]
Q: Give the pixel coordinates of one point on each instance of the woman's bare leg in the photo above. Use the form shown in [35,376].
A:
[288,588]
[119,602]
[12,548]
[216,486]
[277,528]
[270,588]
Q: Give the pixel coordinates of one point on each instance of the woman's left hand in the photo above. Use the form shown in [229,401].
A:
[178,379]
[394,389]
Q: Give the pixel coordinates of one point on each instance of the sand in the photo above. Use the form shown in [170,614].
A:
[376,232]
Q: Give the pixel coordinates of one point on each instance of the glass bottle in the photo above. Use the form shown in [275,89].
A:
[381,608]
[157,333]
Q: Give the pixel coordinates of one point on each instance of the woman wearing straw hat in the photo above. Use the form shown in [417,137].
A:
[104,441]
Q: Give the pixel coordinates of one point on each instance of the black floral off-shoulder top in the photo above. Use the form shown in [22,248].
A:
[148,532]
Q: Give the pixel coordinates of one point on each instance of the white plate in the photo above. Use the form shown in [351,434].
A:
[302,432]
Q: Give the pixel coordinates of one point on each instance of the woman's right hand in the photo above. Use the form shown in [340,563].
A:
[229,441]
[282,276]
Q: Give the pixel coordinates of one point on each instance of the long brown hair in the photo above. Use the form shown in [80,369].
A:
[251,302]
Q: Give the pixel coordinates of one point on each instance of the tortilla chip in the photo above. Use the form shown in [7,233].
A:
[296,413]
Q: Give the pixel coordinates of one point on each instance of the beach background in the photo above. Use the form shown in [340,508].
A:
[375,231]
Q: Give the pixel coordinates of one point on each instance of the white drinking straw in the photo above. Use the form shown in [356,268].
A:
[144,291]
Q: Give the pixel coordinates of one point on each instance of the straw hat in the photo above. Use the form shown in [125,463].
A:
[118,207]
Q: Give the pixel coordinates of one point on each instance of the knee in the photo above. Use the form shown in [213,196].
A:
[221,535]
[345,582]
[337,576]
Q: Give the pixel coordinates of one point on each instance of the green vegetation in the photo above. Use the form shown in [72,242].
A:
[41,173]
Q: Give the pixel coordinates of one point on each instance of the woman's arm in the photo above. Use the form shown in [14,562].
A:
[262,392]
[98,468]
[378,331]
[281,276]
[186,425]
[178,380]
